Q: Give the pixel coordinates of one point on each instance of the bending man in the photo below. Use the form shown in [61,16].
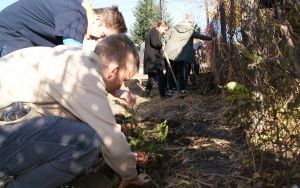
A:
[55,116]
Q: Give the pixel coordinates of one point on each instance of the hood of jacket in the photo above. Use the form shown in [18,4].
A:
[183,28]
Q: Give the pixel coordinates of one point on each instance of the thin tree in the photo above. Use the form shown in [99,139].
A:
[206,10]
[223,20]
[146,14]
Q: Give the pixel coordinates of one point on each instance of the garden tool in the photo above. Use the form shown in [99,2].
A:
[180,95]
[172,72]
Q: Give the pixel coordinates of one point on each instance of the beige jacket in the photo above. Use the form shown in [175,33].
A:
[64,81]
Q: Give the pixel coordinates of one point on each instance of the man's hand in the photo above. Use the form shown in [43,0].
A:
[141,179]
[142,158]
[126,95]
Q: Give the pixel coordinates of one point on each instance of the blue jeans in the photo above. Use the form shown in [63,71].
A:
[46,151]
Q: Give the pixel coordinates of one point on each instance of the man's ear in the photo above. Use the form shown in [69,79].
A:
[113,70]
[102,36]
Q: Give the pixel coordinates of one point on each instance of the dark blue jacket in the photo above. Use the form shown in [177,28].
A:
[41,23]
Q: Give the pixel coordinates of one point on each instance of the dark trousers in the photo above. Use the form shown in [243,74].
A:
[159,76]
[196,68]
[178,68]
[46,151]
[187,72]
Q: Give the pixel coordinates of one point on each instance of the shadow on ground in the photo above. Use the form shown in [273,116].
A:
[201,150]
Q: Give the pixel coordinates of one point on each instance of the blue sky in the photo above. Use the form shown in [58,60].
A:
[176,8]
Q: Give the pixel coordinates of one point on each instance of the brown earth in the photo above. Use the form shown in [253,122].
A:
[200,150]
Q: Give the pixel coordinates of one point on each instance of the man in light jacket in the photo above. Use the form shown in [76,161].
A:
[63,119]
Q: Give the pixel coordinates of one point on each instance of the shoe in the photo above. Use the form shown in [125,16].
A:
[183,91]
[146,94]
[166,96]
[171,91]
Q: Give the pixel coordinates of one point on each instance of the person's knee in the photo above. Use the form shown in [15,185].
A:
[85,146]
[93,149]
[84,156]
[89,143]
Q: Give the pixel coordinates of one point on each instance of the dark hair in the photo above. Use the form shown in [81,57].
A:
[111,17]
[117,48]
[161,23]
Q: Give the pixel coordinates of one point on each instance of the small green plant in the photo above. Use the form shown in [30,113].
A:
[237,93]
[149,139]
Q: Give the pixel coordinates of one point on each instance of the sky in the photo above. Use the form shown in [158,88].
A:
[176,8]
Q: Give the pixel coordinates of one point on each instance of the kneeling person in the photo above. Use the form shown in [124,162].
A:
[69,120]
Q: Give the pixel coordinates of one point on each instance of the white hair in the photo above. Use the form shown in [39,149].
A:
[188,18]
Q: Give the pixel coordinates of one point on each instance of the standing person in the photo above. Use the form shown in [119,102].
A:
[197,46]
[28,23]
[62,119]
[179,48]
[153,59]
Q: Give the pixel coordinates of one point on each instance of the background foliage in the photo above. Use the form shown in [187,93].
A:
[266,62]
[147,14]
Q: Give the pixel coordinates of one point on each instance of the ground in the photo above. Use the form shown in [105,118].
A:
[200,150]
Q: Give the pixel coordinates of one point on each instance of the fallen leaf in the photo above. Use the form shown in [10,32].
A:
[231,156]
[256,175]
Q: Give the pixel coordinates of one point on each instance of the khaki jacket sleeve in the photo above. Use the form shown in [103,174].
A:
[81,90]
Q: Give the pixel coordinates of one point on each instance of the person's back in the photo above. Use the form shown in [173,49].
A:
[40,69]
[152,53]
[42,23]
[178,38]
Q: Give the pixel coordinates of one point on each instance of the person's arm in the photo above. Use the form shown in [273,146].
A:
[125,95]
[201,36]
[155,39]
[83,93]
[168,35]
[141,179]
[71,25]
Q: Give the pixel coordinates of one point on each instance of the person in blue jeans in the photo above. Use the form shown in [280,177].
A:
[55,116]
[28,23]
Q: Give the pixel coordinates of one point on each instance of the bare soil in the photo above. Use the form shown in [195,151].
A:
[201,149]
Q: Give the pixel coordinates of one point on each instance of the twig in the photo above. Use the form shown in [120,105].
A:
[226,175]
[154,183]
[181,148]
[226,145]
[196,181]
[254,163]
[167,171]
[178,154]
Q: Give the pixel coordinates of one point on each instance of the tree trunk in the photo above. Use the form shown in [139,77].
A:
[206,10]
[161,9]
[223,20]
[231,29]
[249,12]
